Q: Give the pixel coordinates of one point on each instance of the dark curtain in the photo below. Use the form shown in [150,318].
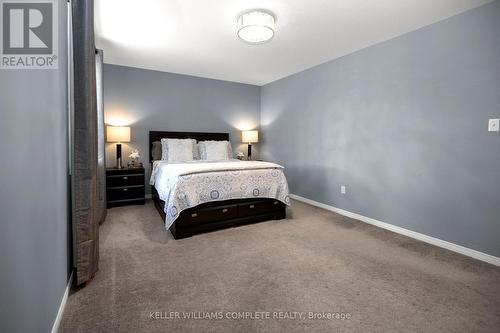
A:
[85,180]
[101,144]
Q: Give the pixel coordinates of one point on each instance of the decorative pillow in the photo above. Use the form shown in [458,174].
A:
[164,150]
[215,150]
[201,150]
[196,151]
[156,151]
[177,150]
[229,151]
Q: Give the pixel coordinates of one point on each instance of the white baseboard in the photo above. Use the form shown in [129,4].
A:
[413,234]
[60,312]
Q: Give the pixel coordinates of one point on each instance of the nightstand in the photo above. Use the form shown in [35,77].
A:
[125,186]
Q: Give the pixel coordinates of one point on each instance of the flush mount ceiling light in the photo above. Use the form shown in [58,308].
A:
[256,27]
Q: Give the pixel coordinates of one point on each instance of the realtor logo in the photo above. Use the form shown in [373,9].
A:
[29,34]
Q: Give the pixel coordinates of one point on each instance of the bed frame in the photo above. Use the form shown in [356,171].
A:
[217,214]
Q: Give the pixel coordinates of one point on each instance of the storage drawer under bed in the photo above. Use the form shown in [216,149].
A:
[210,214]
[201,215]
[257,207]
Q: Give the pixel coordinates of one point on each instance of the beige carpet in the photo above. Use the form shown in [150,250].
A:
[315,261]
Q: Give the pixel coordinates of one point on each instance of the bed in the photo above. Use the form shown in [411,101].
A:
[201,196]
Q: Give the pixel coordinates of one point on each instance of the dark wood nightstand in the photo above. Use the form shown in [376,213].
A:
[125,186]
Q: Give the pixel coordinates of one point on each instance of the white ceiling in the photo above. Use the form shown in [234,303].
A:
[198,37]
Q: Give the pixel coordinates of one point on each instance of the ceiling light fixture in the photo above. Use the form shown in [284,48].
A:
[256,27]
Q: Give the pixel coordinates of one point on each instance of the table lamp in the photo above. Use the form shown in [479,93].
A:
[250,137]
[118,134]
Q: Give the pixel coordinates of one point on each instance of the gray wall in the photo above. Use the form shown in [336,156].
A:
[403,124]
[34,226]
[150,100]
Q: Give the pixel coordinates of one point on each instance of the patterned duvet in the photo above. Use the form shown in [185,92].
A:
[186,185]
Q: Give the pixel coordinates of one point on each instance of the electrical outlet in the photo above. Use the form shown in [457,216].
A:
[342,189]
[493,125]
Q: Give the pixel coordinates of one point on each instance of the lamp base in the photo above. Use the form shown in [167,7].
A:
[119,156]
[249,155]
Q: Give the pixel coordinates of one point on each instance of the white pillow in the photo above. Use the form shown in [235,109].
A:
[215,150]
[177,150]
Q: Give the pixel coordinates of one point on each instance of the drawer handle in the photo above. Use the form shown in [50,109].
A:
[194,215]
[224,210]
[125,189]
[252,206]
[125,178]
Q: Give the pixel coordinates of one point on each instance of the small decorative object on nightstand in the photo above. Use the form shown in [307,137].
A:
[134,156]
[250,137]
[125,186]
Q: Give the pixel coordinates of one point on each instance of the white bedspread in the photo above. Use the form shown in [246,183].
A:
[185,185]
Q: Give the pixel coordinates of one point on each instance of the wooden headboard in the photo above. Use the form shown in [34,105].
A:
[198,136]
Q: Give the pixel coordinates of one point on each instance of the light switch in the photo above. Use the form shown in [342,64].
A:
[493,125]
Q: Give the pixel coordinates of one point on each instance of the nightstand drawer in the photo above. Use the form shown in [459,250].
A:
[124,180]
[135,192]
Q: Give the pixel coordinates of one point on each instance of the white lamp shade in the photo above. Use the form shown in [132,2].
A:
[118,134]
[250,136]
